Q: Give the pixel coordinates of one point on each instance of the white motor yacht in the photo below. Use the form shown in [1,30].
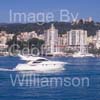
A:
[40,64]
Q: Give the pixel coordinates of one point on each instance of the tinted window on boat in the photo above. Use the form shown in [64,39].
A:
[42,60]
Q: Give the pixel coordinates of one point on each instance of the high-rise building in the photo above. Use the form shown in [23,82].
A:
[76,38]
[3,41]
[51,40]
[98,39]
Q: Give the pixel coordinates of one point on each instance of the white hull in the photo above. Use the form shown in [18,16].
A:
[39,67]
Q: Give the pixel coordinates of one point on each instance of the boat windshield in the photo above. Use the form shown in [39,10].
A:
[40,60]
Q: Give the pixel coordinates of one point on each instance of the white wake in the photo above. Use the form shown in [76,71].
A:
[4,69]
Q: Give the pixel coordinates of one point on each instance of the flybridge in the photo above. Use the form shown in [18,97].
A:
[63,15]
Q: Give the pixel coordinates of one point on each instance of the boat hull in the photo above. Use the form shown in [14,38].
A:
[43,67]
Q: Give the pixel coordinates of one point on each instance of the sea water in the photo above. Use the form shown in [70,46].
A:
[80,80]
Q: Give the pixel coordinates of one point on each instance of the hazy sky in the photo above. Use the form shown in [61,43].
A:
[85,8]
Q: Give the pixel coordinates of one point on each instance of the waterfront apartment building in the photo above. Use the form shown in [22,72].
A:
[97,38]
[25,36]
[51,40]
[62,43]
[3,41]
[76,38]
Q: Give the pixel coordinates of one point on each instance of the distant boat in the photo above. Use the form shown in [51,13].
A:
[56,54]
[81,55]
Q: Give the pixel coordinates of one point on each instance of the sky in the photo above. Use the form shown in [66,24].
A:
[85,8]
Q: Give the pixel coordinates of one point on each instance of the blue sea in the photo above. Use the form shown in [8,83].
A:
[76,70]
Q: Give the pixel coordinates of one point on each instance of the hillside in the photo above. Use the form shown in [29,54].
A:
[61,26]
